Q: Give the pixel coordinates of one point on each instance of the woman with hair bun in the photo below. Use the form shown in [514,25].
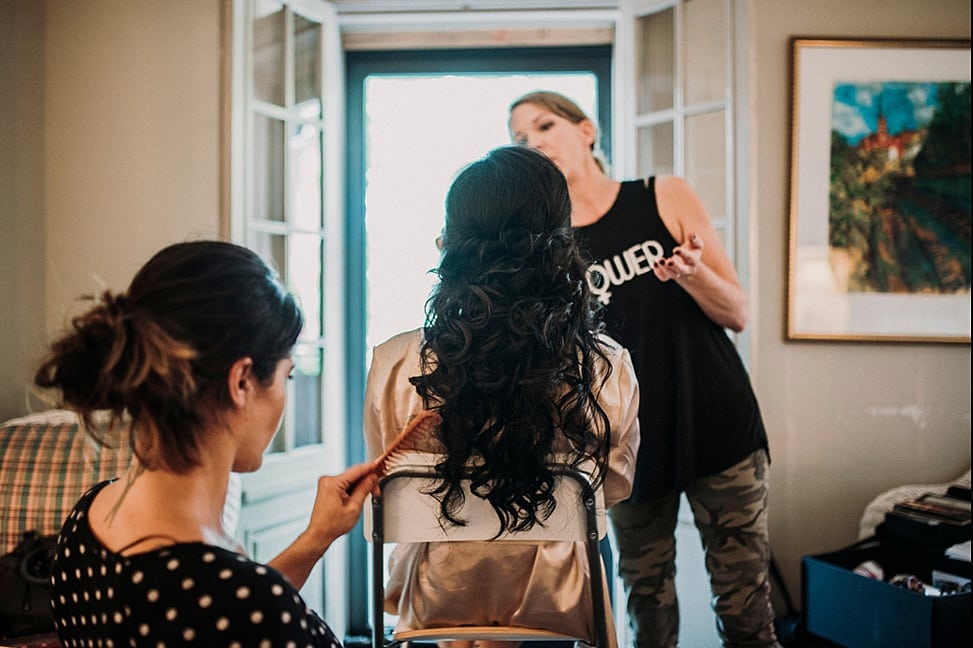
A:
[513,358]
[193,360]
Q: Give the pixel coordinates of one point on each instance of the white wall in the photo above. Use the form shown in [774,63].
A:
[846,421]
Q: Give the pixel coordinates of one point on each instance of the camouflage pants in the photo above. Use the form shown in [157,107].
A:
[730,511]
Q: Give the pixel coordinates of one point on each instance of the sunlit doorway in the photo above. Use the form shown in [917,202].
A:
[420,130]
[415,118]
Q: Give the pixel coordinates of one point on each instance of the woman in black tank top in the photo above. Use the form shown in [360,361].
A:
[670,292]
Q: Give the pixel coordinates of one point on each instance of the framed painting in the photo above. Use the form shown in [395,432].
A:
[879,244]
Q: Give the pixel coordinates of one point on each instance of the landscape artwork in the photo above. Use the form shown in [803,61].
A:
[899,213]
[879,232]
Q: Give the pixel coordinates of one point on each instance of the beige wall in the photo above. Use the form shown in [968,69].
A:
[846,421]
[132,138]
[21,198]
[111,135]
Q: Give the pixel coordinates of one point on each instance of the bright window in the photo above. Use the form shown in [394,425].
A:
[420,130]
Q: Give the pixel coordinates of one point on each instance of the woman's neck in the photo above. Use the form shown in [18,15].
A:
[592,195]
[181,507]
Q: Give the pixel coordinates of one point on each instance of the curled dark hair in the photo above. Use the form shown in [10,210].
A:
[160,352]
[511,354]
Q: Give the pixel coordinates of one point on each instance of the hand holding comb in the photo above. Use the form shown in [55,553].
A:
[422,423]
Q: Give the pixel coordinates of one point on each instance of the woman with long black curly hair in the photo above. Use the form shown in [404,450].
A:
[513,358]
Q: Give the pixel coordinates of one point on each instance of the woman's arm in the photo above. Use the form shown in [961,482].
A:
[390,400]
[337,507]
[619,397]
[371,416]
[700,265]
[334,503]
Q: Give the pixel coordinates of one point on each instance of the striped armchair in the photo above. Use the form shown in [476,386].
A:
[47,462]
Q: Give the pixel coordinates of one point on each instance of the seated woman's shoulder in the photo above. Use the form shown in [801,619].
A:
[400,342]
[610,345]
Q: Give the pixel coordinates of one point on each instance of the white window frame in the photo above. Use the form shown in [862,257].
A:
[735,220]
[244,224]
[287,471]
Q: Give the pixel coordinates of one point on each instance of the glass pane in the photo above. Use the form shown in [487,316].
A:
[406,185]
[304,277]
[306,182]
[279,442]
[297,258]
[268,168]
[307,395]
[307,61]
[309,109]
[655,150]
[655,73]
[268,52]
[706,160]
[272,248]
[704,40]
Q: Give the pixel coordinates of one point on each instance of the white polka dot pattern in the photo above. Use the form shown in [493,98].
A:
[189,594]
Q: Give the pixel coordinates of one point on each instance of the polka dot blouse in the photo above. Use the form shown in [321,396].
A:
[188,594]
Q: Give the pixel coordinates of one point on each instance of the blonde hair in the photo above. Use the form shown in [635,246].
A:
[566,108]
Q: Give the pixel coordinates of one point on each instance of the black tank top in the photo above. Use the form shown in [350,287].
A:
[698,412]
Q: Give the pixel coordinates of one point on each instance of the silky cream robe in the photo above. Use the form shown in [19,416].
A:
[534,585]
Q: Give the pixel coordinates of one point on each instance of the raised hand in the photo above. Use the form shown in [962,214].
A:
[684,262]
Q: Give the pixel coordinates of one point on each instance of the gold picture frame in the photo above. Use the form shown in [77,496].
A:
[879,237]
